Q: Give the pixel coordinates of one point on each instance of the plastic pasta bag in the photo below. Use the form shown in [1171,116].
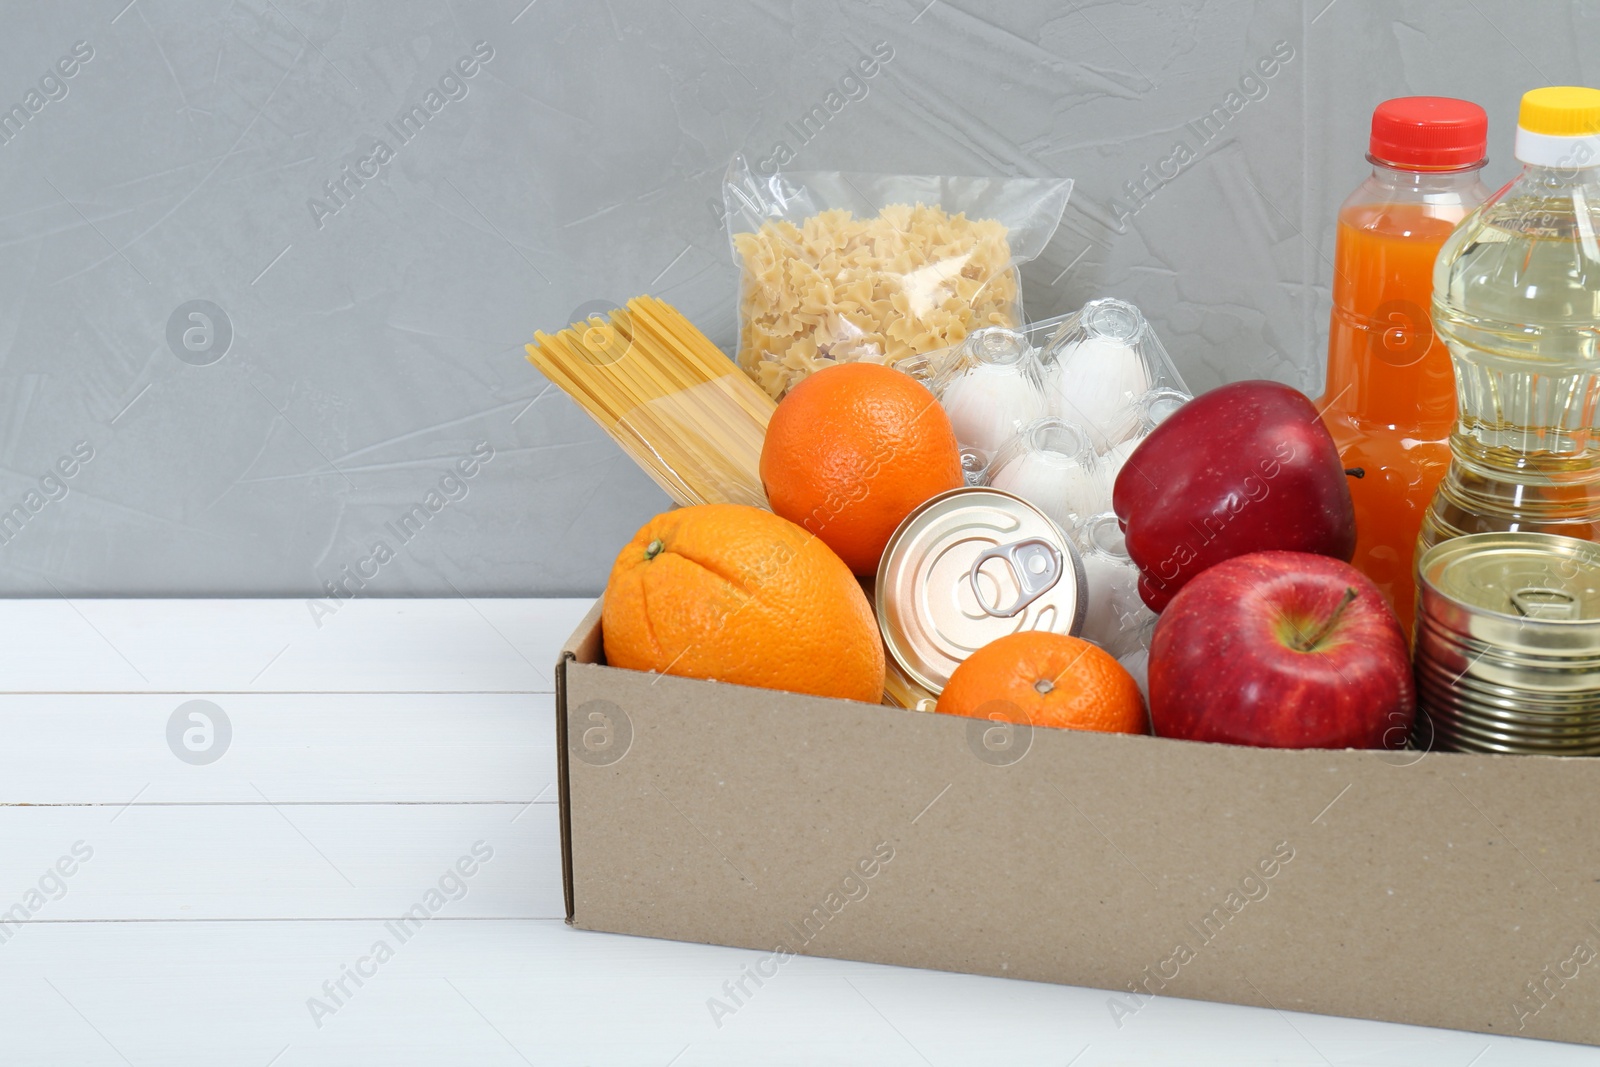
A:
[838,267]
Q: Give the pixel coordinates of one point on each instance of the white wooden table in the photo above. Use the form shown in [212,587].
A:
[227,910]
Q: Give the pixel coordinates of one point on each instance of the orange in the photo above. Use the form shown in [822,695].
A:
[736,594]
[851,451]
[1046,679]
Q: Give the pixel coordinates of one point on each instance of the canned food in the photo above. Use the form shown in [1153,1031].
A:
[967,567]
[899,691]
[1508,644]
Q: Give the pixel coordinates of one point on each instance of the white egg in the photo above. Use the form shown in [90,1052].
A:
[1056,484]
[1094,383]
[1114,615]
[1106,581]
[988,403]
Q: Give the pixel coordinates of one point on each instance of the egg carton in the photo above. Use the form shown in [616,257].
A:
[1053,410]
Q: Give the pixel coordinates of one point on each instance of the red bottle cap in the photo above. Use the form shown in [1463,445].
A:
[1429,133]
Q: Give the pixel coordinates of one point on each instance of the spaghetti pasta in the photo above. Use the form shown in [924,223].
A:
[678,407]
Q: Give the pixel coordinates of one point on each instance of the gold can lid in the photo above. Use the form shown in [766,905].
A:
[967,567]
[1526,577]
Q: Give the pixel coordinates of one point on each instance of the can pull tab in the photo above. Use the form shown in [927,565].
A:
[1036,565]
[1542,602]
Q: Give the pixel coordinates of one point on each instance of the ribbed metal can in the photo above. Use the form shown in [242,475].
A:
[1507,645]
[967,567]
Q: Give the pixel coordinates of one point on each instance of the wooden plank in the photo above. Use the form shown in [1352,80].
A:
[255,861]
[127,965]
[368,645]
[505,994]
[440,747]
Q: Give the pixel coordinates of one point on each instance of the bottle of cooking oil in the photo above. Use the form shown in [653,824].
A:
[1516,297]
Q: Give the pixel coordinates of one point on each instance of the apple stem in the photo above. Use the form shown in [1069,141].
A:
[1307,644]
[1356,472]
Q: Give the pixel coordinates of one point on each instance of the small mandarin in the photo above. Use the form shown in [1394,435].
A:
[1046,679]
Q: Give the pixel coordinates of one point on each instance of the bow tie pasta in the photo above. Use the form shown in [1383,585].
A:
[837,288]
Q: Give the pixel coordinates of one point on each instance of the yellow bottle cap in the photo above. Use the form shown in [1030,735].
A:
[1561,111]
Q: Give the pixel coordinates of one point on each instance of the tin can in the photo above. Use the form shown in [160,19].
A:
[1507,644]
[899,691]
[967,567]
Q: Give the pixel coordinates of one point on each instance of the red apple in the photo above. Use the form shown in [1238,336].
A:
[1246,467]
[1282,650]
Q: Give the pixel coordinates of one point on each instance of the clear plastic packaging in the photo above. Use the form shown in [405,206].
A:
[1116,614]
[994,389]
[1099,364]
[974,466]
[1052,464]
[1137,662]
[839,267]
[1390,395]
[1516,298]
[998,377]
[1151,410]
[991,385]
[1156,406]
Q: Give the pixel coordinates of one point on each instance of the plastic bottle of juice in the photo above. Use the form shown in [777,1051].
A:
[1390,400]
[1517,298]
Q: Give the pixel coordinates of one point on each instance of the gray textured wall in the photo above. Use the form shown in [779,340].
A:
[374,347]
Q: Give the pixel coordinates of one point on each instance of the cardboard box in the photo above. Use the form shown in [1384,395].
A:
[1440,889]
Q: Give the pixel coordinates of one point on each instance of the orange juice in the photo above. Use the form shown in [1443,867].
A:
[1390,401]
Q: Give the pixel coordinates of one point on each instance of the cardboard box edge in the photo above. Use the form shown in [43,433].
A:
[584,649]
[581,646]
